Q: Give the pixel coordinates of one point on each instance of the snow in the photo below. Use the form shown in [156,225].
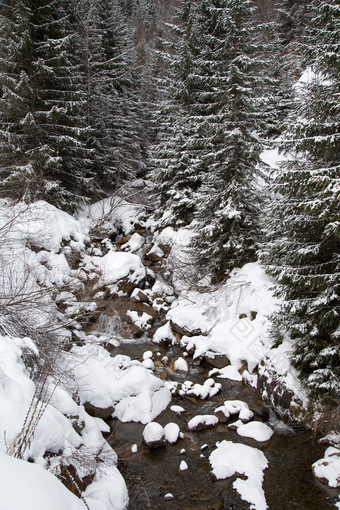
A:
[239,407]
[107,491]
[229,372]
[134,244]
[205,419]
[247,294]
[206,390]
[115,266]
[181,365]
[141,321]
[168,496]
[164,333]
[29,486]
[147,355]
[148,363]
[105,381]
[171,432]
[134,448]
[328,468]
[183,466]
[153,432]
[177,409]
[256,430]
[230,458]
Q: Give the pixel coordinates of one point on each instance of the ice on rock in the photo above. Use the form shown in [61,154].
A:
[256,430]
[171,432]
[230,458]
[183,466]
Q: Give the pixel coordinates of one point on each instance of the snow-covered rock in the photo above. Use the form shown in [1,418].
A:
[201,422]
[177,409]
[327,470]
[153,435]
[183,466]
[181,365]
[28,486]
[230,458]
[164,335]
[132,389]
[256,430]
[171,432]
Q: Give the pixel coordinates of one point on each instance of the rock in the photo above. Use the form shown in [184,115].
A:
[153,435]
[202,422]
[179,365]
[222,418]
[171,432]
[183,466]
[183,331]
[98,412]
[164,335]
[216,360]
[139,295]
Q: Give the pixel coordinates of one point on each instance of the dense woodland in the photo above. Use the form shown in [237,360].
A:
[97,93]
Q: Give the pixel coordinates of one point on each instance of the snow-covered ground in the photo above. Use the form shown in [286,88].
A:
[43,304]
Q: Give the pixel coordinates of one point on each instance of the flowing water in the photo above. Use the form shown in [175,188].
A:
[151,474]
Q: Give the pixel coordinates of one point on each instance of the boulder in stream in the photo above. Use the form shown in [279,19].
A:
[153,435]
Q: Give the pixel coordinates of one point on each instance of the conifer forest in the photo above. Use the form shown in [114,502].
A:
[170,209]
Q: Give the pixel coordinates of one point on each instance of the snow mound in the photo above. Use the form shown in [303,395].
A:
[115,266]
[256,430]
[106,381]
[229,372]
[171,432]
[230,458]
[153,432]
[205,420]
[239,407]
[29,486]
[164,334]
[328,468]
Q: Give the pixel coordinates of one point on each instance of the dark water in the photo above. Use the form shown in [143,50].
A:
[288,483]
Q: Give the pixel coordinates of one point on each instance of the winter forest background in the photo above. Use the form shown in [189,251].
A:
[98,94]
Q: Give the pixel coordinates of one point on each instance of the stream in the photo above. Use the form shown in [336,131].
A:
[151,474]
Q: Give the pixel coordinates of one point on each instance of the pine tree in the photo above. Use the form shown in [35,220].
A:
[227,110]
[113,108]
[303,250]
[48,155]
[175,153]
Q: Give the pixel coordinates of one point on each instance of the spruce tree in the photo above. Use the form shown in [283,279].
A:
[303,248]
[175,152]
[227,109]
[48,156]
